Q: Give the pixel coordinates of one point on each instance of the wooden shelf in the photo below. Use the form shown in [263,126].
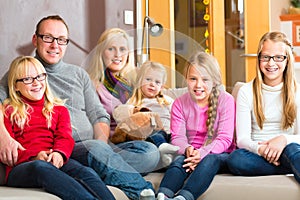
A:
[290,17]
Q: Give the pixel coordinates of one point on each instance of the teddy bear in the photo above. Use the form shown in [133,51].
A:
[134,123]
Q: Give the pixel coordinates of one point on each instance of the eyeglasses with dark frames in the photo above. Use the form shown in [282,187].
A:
[276,58]
[50,39]
[29,80]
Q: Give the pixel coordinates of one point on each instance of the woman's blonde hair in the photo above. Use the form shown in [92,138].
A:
[211,65]
[96,66]
[20,110]
[137,96]
[289,83]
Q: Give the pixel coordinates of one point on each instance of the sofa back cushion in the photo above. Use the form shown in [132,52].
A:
[236,88]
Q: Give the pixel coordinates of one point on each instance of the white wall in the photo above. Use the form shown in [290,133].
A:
[278,7]
[86,19]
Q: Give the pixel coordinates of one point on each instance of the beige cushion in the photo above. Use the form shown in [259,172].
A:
[236,88]
[8,193]
[229,187]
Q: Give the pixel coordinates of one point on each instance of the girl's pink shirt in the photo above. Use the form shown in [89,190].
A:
[188,125]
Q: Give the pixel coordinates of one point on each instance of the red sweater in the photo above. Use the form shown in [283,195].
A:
[36,136]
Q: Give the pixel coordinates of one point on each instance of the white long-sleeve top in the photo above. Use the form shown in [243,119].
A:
[247,129]
[164,111]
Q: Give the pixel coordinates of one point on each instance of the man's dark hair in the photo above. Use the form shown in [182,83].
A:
[51,17]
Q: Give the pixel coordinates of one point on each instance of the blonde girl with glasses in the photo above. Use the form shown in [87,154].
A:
[267,113]
[41,124]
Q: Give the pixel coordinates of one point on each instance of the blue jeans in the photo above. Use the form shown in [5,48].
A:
[192,185]
[119,165]
[71,181]
[245,163]
[158,137]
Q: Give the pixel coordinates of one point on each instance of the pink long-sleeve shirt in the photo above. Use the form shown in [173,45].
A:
[188,125]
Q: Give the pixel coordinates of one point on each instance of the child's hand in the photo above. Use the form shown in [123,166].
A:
[43,155]
[192,160]
[271,150]
[56,159]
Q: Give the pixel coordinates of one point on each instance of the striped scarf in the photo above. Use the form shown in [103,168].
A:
[117,86]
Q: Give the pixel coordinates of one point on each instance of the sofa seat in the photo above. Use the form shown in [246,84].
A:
[225,187]
[9,193]
[229,187]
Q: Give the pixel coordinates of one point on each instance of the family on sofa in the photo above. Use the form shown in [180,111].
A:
[198,145]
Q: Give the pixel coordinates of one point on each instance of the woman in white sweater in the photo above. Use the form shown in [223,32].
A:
[267,114]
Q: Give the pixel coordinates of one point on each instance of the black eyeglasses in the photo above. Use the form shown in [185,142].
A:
[50,39]
[29,80]
[276,58]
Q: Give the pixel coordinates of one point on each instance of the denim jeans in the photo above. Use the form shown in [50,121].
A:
[191,185]
[158,137]
[245,163]
[71,181]
[119,165]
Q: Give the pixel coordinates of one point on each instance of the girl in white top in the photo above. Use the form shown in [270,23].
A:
[151,77]
[267,114]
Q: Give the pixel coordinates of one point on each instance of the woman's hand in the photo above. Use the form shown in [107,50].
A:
[192,158]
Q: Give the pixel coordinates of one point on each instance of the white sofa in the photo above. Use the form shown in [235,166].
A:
[223,187]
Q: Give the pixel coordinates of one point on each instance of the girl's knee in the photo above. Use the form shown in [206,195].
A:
[291,149]
[40,164]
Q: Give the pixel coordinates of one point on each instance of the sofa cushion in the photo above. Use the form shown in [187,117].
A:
[228,187]
[275,187]
[9,193]
[236,88]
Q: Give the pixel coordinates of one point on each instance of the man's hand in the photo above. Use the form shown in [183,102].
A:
[9,149]
[8,146]
[101,131]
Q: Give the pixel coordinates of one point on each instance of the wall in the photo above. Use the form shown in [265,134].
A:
[86,21]
[278,7]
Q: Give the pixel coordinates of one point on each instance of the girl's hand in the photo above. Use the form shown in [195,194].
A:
[42,155]
[56,159]
[272,149]
[192,160]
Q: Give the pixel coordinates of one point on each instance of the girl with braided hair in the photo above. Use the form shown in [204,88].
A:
[202,125]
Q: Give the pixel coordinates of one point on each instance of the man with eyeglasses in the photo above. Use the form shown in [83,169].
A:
[90,121]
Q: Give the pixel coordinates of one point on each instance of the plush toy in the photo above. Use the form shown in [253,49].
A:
[134,123]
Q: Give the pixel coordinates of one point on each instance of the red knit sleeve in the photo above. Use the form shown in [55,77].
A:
[63,140]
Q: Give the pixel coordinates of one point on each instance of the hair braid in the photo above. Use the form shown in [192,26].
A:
[212,113]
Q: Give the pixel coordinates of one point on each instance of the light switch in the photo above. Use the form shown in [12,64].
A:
[128,17]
